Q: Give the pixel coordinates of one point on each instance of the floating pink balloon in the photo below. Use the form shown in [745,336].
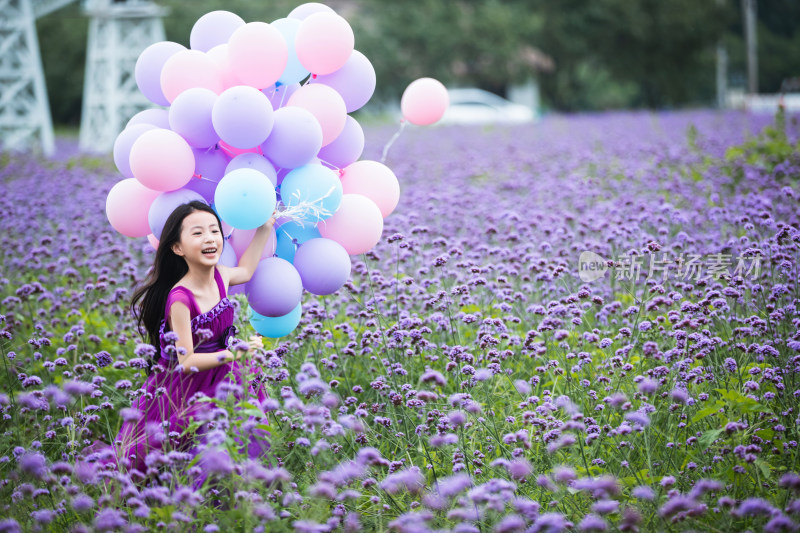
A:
[162,160]
[242,117]
[127,206]
[190,116]
[324,42]
[303,11]
[326,105]
[123,144]
[374,180]
[346,148]
[213,29]
[258,54]
[149,66]
[355,81]
[357,224]
[188,69]
[424,101]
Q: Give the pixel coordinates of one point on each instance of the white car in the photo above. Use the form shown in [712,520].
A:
[476,106]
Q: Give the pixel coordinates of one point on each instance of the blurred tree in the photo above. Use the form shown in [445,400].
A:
[652,53]
[487,44]
[606,53]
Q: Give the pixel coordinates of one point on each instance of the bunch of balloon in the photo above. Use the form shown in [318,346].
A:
[254,117]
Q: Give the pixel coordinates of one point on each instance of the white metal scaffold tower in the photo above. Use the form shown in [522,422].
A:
[118,32]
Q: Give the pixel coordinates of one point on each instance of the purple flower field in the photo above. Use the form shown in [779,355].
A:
[587,324]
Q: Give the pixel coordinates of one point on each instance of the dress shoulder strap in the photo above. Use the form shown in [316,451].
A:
[220,283]
[183,295]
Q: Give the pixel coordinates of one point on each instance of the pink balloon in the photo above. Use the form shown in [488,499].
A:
[219,54]
[357,224]
[123,144]
[127,206]
[346,148]
[424,101]
[303,11]
[190,116]
[258,54]
[242,116]
[213,29]
[374,180]
[355,81]
[155,116]
[162,160]
[326,105]
[240,239]
[232,151]
[324,42]
[153,241]
[188,69]
[149,66]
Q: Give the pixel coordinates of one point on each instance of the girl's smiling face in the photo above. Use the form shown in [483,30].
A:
[201,239]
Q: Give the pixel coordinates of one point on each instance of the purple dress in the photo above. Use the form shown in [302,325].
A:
[167,395]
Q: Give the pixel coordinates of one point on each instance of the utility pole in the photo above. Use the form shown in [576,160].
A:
[722,70]
[749,12]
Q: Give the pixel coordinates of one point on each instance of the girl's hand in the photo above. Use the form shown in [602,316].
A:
[256,343]
[271,222]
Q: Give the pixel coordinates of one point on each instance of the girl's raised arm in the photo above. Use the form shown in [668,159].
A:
[250,258]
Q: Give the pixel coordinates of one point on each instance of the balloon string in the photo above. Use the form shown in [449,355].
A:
[392,140]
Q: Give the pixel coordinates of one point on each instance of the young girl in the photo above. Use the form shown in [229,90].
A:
[185,296]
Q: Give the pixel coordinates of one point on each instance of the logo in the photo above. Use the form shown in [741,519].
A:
[591,266]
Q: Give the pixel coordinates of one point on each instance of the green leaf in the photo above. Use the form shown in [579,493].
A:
[710,436]
[704,413]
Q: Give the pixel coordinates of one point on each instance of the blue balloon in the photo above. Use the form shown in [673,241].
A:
[278,326]
[294,70]
[314,185]
[290,235]
[245,198]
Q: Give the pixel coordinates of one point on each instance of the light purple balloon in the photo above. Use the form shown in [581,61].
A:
[228,256]
[355,81]
[148,69]
[303,11]
[275,288]
[346,148]
[213,29]
[163,206]
[242,116]
[295,139]
[156,116]
[210,163]
[256,162]
[122,146]
[279,94]
[323,265]
[204,187]
[190,117]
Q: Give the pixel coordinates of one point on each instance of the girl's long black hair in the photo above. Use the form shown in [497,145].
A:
[149,300]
